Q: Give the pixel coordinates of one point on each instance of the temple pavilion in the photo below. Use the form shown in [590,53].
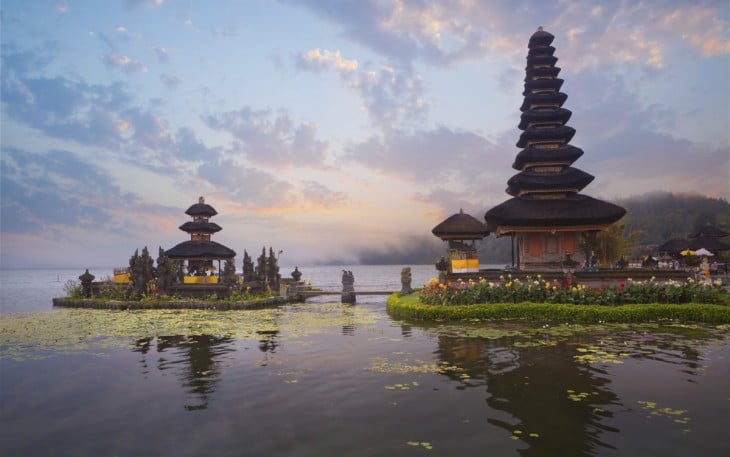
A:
[547,216]
[462,231]
[200,251]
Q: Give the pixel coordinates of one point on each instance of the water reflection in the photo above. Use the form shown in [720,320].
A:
[557,404]
[196,360]
[555,388]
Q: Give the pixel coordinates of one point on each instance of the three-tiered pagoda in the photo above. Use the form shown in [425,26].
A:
[547,215]
[200,251]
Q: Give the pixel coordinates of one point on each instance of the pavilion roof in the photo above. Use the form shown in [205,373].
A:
[574,210]
[200,249]
[710,232]
[204,227]
[712,244]
[460,226]
[674,246]
[201,209]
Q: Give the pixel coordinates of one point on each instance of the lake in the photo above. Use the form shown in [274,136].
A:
[327,379]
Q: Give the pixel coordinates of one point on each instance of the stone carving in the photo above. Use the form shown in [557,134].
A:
[296,274]
[86,280]
[348,287]
[405,280]
[248,270]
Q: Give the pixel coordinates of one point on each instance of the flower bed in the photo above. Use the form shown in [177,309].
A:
[510,289]
[410,307]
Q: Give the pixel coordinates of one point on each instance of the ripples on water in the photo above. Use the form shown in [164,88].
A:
[331,379]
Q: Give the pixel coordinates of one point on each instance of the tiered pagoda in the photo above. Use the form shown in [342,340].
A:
[461,231]
[547,215]
[200,251]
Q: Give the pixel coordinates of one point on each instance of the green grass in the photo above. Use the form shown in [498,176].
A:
[409,307]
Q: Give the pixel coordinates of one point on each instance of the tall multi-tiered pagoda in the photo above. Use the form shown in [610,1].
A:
[200,251]
[547,215]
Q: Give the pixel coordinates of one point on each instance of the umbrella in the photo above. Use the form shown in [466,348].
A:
[703,251]
[687,252]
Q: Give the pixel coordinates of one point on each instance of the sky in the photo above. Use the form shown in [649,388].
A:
[328,128]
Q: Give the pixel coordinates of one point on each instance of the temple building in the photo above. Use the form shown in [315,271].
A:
[547,216]
[461,231]
[200,251]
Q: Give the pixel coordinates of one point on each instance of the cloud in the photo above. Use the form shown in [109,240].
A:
[390,94]
[317,60]
[170,81]
[249,186]
[144,3]
[124,63]
[41,192]
[161,53]
[445,32]
[323,195]
[426,156]
[271,139]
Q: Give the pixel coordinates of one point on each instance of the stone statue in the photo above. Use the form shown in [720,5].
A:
[405,280]
[296,274]
[86,280]
[348,287]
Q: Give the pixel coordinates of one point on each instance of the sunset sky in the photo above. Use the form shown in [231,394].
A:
[325,128]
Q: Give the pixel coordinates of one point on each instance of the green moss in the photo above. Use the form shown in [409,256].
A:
[410,307]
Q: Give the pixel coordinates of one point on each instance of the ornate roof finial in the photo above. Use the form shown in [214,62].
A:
[539,29]
[201,200]
[461,210]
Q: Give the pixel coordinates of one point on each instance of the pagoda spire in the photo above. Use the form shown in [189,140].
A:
[546,189]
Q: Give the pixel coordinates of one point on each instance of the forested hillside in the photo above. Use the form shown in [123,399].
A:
[661,216]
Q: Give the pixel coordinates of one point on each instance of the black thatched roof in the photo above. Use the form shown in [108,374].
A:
[542,84]
[546,98]
[562,134]
[574,210]
[557,116]
[200,227]
[201,209]
[540,38]
[567,178]
[674,246]
[710,232]
[565,154]
[460,226]
[712,244]
[200,250]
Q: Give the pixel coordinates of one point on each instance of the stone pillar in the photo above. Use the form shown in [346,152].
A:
[405,280]
[348,287]
[86,280]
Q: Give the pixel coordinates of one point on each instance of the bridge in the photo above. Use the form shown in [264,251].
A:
[316,293]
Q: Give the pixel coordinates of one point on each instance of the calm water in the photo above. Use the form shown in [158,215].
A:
[324,379]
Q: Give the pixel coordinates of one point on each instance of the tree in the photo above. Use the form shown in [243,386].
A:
[229,272]
[141,271]
[167,271]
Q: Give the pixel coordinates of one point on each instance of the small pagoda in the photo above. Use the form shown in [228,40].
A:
[547,216]
[461,231]
[200,251]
